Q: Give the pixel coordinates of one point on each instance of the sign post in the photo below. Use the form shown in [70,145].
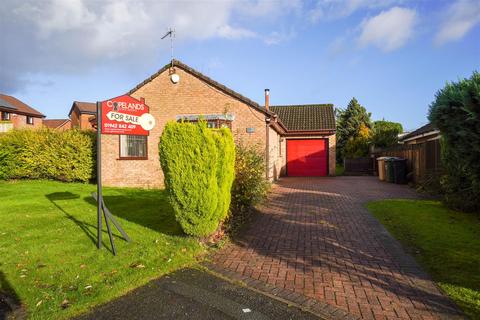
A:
[123,115]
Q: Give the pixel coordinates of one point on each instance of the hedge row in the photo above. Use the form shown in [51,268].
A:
[198,166]
[47,154]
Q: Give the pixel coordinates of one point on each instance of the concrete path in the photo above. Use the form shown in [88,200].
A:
[194,294]
[317,245]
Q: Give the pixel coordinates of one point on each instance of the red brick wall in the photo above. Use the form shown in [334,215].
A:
[167,100]
[80,121]
[20,122]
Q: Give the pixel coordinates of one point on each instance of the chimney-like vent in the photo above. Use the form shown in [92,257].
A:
[267,99]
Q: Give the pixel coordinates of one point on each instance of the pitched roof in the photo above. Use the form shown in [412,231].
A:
[84,107]
[18,106]
[428,128]
[201,76]
[310,117]
[54,123]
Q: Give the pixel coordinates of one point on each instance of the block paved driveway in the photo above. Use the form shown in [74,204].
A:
[314,243]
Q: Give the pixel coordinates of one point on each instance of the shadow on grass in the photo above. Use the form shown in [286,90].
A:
[9,300]
[148,208]
[89,229]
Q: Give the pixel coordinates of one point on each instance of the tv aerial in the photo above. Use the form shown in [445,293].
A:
[173,76]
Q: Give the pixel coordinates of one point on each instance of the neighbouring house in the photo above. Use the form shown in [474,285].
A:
[423,134]
[297,140]
[58,124]
[16,114]
[80,114]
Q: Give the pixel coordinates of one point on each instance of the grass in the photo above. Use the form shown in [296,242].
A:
[445,243]
[49,261]
[339,170]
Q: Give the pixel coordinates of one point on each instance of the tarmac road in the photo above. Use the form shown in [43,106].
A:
[195,294]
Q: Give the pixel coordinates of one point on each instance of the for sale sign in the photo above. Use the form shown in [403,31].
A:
[126,115]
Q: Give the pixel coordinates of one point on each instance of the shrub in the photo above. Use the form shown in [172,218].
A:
[456,113]
[357,145]
[47,154]
[197,163]
[249,187]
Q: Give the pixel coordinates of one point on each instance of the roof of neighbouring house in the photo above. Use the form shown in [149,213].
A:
[428,128]
[18,106]
[175,63]
[309,117]
[84,107]
[54,123]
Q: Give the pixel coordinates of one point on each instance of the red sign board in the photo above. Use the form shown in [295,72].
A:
[126,115]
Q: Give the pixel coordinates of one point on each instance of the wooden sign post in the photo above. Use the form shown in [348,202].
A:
[123,115]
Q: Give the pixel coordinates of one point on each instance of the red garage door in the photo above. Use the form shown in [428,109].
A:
[307,158]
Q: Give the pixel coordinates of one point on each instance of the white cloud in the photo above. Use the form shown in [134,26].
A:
[389,30]
[336,9]
[460,18]
[228,32]
[69,36]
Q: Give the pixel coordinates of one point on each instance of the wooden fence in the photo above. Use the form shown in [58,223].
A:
[422,158]
[359,166]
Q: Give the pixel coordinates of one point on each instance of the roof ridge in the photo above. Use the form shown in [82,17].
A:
[201,76]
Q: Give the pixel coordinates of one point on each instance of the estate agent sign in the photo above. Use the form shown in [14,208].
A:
[121,115]
[126,115]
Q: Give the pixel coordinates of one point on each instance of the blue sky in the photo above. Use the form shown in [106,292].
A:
[392,55]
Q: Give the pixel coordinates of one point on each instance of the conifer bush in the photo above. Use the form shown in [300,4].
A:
[198,167]
[47,154]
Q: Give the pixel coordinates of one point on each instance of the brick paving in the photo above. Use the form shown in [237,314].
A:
[314,243]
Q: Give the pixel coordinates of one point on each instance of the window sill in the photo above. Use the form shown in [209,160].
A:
[132,158]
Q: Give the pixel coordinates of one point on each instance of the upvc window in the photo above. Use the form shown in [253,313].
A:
[5,116]
[133,147]
[29,120]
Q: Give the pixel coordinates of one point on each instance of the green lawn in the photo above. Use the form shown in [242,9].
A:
[49,260]
[446,243]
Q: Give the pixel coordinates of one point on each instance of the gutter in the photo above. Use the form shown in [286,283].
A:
[421,135]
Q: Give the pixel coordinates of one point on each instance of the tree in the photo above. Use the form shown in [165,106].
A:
[357,146]
[456,113]
[385,133]
[349,122]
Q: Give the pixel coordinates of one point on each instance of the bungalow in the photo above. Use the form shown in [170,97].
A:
[80,114]
[15,114]
[297,140]
[58,124]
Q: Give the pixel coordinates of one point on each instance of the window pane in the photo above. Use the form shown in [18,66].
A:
[133,146]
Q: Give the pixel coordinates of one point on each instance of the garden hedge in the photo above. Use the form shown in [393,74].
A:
[198,167]
[456,113]
[47,154]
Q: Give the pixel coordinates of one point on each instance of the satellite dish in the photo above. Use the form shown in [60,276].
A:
[175,78]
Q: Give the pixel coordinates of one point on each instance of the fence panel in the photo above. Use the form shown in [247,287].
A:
[359,166]
[422,158]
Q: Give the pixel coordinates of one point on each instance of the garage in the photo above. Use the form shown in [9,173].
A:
[307,157]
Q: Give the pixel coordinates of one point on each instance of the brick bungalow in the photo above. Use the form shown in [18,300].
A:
[58,124]
[80,114]
[298,140]
[15,114]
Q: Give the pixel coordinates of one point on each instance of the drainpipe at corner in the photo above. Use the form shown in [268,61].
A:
[267,134]
[267,151]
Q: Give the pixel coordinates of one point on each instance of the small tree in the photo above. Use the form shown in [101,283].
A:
[385,133]
[349,122]
[198,164]
[456,113]
[357,146]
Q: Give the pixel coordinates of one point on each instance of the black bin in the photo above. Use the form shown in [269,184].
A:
[399,170]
